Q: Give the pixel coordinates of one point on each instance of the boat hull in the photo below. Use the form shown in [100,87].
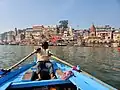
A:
[78,81]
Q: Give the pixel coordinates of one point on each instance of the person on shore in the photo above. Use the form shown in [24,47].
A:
[44,66]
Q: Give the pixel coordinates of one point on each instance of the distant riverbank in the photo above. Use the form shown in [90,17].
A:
[79,45]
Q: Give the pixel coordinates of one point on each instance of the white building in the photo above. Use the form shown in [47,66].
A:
[116,36]
[10,36]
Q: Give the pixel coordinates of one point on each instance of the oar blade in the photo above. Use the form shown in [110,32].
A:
[3,72]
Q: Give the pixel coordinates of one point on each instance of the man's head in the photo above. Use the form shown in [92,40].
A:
[45,45]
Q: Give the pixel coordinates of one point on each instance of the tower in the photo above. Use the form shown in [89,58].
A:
[16,32]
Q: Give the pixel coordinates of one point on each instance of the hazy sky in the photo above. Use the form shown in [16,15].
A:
[25,13]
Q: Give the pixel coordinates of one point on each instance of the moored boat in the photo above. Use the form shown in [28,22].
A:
[21,78]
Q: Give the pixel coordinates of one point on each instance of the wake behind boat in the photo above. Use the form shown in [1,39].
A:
[67,78]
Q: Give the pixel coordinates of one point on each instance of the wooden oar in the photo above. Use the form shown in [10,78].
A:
[22,60]
[76,68]
[4,71]
[64,62]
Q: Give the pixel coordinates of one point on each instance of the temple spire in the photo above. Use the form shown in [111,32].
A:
[93,30]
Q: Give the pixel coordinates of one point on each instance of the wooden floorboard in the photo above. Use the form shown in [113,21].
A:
[59,72]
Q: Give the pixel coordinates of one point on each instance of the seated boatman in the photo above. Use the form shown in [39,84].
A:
[44,66]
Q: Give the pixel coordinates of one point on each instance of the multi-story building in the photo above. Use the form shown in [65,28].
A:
[1,40]
[68,34]
[1,37]
[50,31]
[106,28]
[92,37]
[77,33]
[38,33]
[104,34]
[20,37]
[4,37]
[45,29]
[38,27]
[116,36]
[100,34]
[86,33]
[28,32]
[10,36]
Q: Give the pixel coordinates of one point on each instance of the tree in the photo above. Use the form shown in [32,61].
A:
[63,24]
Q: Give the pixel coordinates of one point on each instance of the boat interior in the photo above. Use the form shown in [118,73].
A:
[29,81]
[25,78]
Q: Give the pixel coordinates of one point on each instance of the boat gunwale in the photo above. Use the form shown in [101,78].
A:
[38,83]
[10,75]
[91,77]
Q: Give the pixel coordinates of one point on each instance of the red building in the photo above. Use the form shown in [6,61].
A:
[55,38]
[93,30]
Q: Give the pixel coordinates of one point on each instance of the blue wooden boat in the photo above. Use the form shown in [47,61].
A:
[20,79]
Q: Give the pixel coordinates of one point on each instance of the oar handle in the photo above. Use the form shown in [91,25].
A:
[22,60]
[64,62]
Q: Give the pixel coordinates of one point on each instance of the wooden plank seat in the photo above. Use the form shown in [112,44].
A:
[27,76]
[59,72]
